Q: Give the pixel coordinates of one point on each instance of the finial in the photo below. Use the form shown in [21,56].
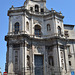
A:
[12,6]
[51,8]
[60,11]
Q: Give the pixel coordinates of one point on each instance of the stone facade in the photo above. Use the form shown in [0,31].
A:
[38,43]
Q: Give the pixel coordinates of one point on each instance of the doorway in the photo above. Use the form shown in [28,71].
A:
[38,62]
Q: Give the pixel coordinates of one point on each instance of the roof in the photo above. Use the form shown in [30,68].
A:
[69,25]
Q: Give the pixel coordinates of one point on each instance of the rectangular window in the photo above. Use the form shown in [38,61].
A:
[66,33]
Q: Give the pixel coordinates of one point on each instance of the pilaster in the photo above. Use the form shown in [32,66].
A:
[10,62]
[23,58]
[10,24]
[23,22]
[56,60]
[54,25]
[66,60]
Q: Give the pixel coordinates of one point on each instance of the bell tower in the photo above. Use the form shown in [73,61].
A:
[35,5]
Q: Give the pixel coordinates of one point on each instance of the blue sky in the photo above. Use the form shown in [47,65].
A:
[67,7]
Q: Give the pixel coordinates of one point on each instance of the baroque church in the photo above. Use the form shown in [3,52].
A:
[38,43]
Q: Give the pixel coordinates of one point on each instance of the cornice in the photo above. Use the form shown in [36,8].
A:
[23,36]
[22,9]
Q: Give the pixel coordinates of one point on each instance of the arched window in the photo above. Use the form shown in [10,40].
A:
[27,26]
[59,30]
[37,30]
[48,27]
[36,8]
[16,27]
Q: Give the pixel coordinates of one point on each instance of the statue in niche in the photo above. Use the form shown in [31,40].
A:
[28,61]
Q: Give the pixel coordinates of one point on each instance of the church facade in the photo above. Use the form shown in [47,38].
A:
[38,43]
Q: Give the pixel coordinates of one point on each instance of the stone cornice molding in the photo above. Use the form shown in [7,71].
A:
[33,38]
[53,12]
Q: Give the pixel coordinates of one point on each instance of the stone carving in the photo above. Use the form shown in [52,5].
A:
[39,49]
[36,21]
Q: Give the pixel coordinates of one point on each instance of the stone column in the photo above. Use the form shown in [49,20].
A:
[10,62]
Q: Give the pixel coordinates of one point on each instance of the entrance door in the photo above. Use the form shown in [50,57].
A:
[38,60]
